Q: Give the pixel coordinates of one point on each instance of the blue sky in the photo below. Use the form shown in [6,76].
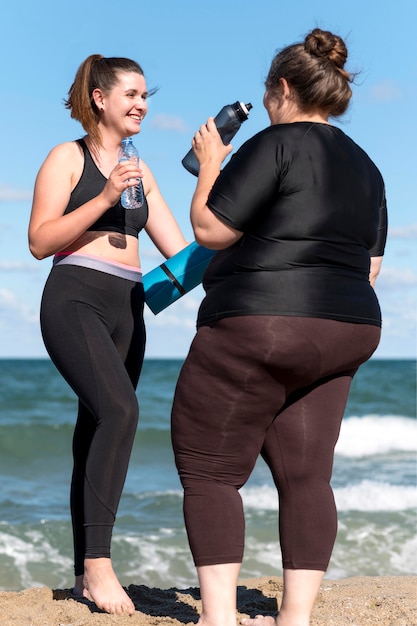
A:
[201,55]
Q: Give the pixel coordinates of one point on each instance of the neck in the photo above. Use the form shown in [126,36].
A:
[315,117]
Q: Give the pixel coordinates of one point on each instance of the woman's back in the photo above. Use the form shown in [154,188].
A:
[310,202]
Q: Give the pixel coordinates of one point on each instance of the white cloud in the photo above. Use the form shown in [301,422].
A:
[13,308]
[18,266]
[393,278]
[152,254]
[192,304]
[180,314]
[386,91]
[169,122]
[169,319]
[403,232]
[10,194]
[7,298]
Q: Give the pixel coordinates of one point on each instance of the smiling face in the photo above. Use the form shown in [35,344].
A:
[124,107]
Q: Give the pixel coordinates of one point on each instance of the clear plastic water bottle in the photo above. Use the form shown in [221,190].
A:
[132,197]
[228,121]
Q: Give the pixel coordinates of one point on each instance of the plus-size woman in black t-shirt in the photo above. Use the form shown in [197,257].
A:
[299,219]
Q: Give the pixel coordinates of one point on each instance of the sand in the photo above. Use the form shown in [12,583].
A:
[362,601]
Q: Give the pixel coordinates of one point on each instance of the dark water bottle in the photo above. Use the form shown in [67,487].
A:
[228,122]
[132,197]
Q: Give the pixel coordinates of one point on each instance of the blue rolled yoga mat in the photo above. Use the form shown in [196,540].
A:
[176,276]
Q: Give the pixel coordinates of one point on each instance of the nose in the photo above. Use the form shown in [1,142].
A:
[141,103]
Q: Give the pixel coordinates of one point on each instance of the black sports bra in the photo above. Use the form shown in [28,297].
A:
[116,219]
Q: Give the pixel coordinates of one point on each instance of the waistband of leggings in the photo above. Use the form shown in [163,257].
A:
[101,265]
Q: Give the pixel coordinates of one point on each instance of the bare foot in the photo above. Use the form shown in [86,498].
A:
[259,620]
[102,587]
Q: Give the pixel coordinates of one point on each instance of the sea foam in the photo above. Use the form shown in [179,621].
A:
[367,495]
[371,495]
[374,434]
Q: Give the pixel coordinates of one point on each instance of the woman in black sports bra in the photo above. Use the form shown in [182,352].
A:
[92,305]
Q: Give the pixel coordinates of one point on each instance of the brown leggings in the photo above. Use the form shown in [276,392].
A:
[275,386]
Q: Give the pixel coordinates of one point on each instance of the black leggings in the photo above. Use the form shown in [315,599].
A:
[92,326]
[275,386]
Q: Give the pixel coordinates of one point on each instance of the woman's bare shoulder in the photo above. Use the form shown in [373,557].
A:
[66,150]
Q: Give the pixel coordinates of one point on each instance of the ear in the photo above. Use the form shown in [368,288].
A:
[98,98]
[286,91]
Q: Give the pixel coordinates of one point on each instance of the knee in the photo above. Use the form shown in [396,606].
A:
[121,417]
[129,414]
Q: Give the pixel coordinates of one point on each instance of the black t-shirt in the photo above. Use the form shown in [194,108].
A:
[311,205]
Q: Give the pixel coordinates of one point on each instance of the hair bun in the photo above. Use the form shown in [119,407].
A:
[322,43]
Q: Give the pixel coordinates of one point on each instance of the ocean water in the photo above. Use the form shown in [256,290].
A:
[374,481]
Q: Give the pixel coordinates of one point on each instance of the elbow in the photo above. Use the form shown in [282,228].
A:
[37,252]
[200,238]
[38,245]
[200,235]
[38,255]
[214,234]
[203,239]
[215,240]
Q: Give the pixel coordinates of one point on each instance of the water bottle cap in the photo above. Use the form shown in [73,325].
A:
[242,110]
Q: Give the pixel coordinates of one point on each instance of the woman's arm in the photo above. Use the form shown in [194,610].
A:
[376,262]
[210,151]
[377,251]
[49,229]
[161,226]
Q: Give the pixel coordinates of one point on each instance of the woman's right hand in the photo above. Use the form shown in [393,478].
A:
[124,175]
[208,145]
[210,151]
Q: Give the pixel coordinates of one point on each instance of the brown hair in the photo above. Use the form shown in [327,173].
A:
[96,72]
[315,70]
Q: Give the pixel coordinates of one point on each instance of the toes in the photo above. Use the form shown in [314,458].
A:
[257,620]
[117,609]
